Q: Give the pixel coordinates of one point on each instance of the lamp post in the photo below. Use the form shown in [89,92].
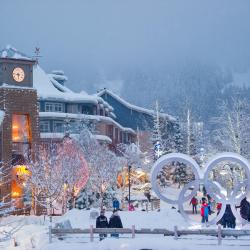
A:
[129,184]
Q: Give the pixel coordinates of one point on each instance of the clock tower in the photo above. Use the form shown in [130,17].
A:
[16,69]
[19,131]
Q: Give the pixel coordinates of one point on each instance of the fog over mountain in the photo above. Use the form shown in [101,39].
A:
[176,51]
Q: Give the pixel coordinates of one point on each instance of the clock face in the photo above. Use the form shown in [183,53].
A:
[18,74]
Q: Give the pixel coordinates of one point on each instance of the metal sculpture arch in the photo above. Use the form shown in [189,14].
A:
[233,199]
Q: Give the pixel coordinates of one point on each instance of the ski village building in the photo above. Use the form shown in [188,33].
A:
[36,106]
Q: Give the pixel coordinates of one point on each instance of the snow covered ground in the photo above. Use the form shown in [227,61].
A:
[32,233]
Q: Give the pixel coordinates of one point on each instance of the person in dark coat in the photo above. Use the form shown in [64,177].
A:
[244,209]
[148,195]
[228,219]
[115,222]
[102,222]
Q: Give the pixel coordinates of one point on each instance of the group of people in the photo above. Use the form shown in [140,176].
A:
[205,207]
[114,222]
[228,219]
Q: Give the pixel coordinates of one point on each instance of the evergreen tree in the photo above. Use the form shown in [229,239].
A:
[156,137]
[177,138]
[156,133]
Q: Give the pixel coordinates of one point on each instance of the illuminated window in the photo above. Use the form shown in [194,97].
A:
[20,128]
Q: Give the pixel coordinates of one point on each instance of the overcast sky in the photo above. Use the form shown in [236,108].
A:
[86,38]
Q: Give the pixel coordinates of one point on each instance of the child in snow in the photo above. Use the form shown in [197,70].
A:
[204,210]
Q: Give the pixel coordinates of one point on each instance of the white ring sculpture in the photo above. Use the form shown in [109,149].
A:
[203,178]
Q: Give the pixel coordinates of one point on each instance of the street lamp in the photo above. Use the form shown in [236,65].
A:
[129,184]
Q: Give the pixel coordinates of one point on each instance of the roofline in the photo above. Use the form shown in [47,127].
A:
[132,106]
[17,59]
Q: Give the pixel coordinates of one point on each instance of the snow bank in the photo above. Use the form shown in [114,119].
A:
[34,233]
[166,218]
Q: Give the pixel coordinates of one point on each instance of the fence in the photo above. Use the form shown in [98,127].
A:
[153,204]
[219,232]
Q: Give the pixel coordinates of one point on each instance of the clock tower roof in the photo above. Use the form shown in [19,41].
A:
[11,53]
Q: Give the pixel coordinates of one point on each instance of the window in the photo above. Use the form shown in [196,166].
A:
[126,137]
[58,107]
[20,128]
[74,127]
[53,107]
[58,127]
[72,108]
[87,110]
[48,107]
[121,139]
[116,134]
[44,126]
[109,130]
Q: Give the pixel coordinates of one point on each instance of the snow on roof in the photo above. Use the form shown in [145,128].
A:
[12,53]
[48,88]
[58,72]
[132,106]
[7,85]
[112,115]
[110,120]
[2,114]
[58,77]
[59,86]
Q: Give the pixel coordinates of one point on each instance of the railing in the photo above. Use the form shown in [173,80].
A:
[153,204]
[219,232]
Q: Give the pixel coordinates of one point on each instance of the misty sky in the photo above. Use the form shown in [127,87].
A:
[89,39]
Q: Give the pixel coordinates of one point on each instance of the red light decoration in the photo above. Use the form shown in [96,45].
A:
[73,165]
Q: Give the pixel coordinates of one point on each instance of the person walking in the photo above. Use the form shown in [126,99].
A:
[194,203]
[116,204]
[147,195]
[102,222]
[115,222]
[228,219]
[218,207]
[204,210]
